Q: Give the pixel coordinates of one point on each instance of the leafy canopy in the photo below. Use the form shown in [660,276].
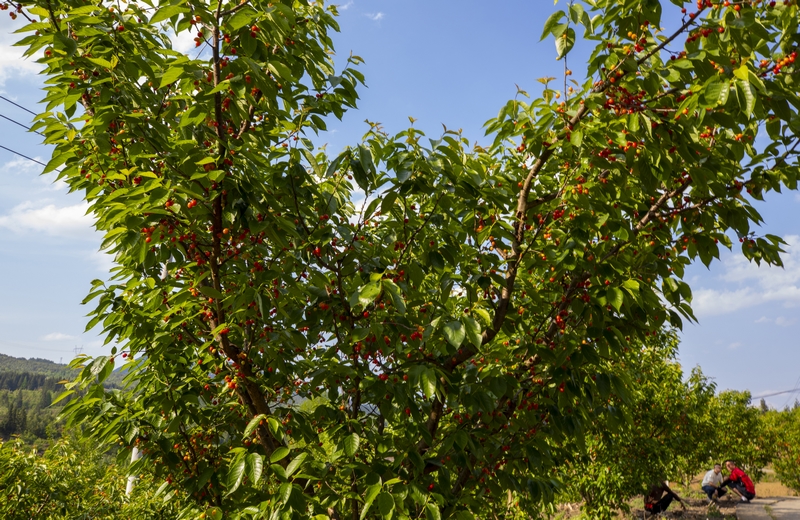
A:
[411,326]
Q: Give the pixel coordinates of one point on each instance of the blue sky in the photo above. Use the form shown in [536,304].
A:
[446,62]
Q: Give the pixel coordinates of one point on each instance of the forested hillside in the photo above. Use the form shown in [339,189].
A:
[27,389]
[43,367]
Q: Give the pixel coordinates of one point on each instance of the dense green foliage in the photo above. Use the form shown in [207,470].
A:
[741,433]
[71,480]
[677,428]
[665,435]
[462,330]
[785,428]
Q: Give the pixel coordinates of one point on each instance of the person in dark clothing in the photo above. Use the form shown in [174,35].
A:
[659,498]
[739,482]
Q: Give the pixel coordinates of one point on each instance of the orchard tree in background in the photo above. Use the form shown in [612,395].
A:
[785,428]
[71,479]
[450,317]
[668,431]
[742,435]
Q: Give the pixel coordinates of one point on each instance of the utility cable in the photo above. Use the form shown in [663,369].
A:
[18,105]
[29,129]
[22,155]
[796,388]
[793,390]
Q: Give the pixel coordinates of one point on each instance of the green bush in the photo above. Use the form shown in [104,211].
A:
[71,480]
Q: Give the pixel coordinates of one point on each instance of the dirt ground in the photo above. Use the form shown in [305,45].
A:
[697,509]
[773,489]
[697,505]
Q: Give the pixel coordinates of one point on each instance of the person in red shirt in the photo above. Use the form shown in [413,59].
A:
[739,482]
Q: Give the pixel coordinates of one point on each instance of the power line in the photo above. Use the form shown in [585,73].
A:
[777,393]
[796,388]
[22,155]
[18,105]
[20,124]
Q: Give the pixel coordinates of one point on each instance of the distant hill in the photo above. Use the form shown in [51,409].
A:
[35,373]
[39,366]
[27,389]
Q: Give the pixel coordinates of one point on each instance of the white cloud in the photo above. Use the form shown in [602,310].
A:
[710,302]
[345,7]
[751,285]
[22,165]
[12,63]
[57,336]
[780,321]
[46,218]
[734,346]
[183,42]
[375,17]
[51,183]
[101,260]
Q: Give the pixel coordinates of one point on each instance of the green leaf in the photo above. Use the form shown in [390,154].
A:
[255,466]
[285,492]
[172,74]
[295,464]
[576,13]
[427,380]
[473,330]
[64,43]
[576,137]
[397,297]
[436,260]
[724,93]
[167,12]
[615,297]
[385,504]
[748,96]
[252,425]
[368,293]
[278,470]
[235,473]
[279,454]
[564,43]
[551,22]
[351,443]
[631,285]
[483,314]
[280,70]
[241,18]
[102,62]
[455,333]
[742,72]
[369,498]
[713,91]
[97,365]
[432,512]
